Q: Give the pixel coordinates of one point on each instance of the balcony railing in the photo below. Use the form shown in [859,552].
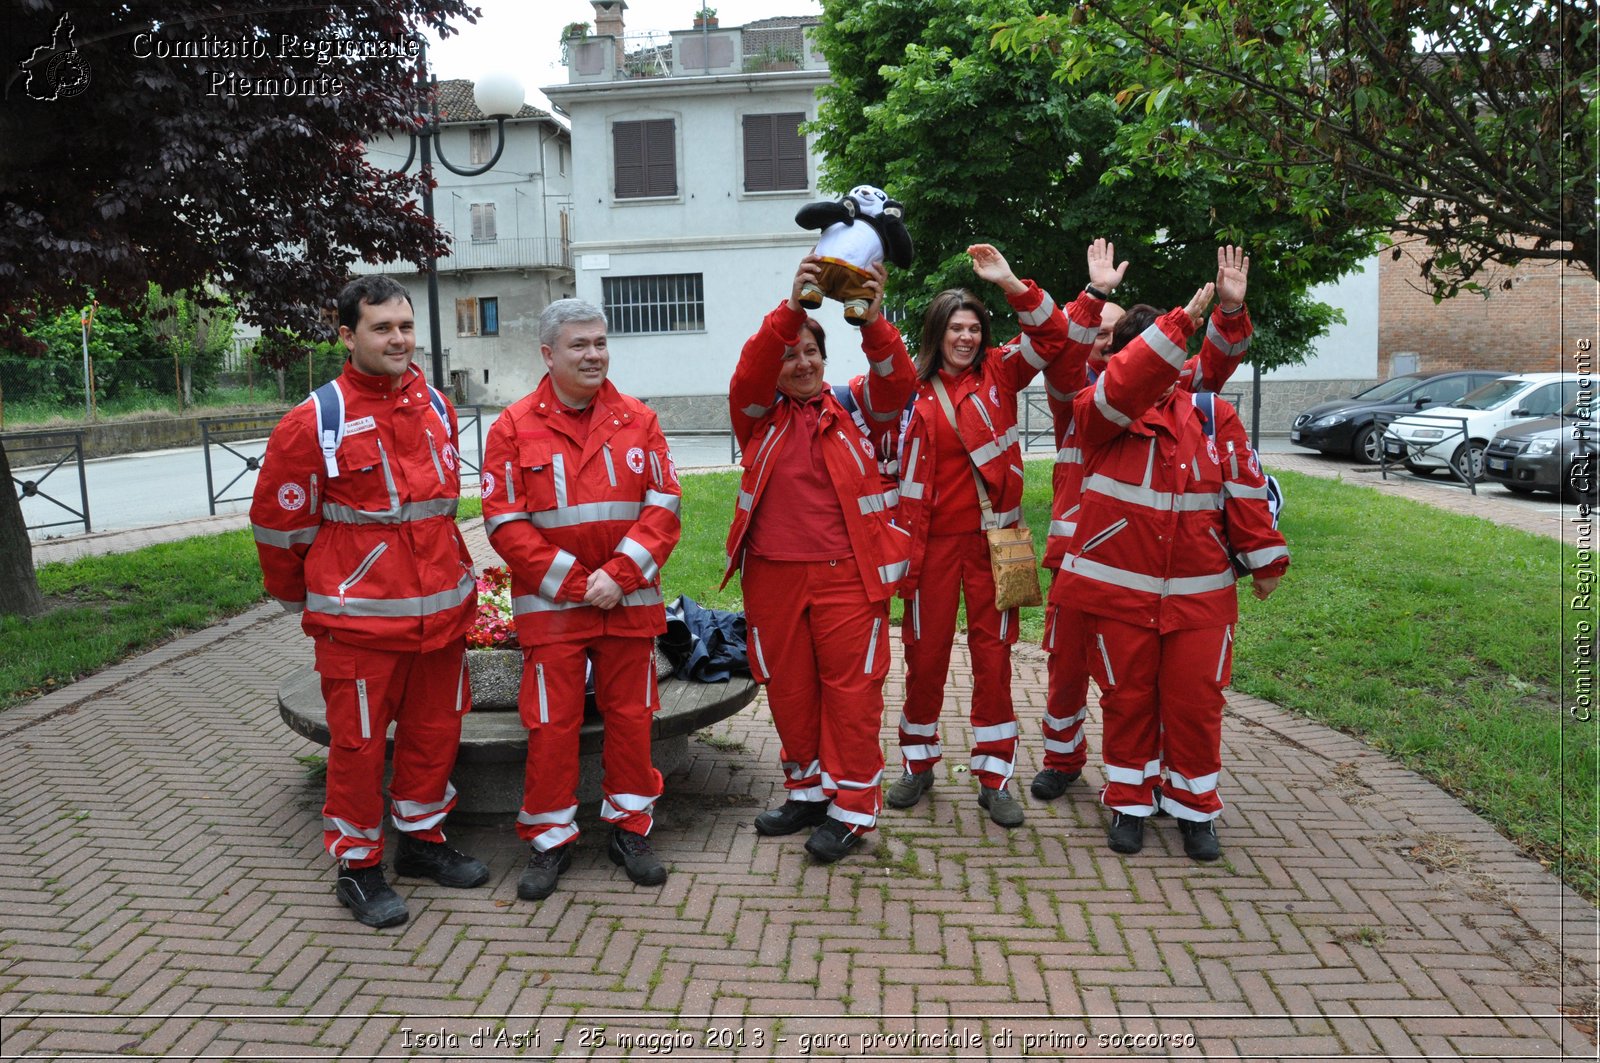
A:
[528,252]
[687,53]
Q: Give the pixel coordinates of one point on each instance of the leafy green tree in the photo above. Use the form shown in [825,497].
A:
[992,147]
[1465,125]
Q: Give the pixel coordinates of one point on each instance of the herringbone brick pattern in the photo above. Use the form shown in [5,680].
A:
[165,895]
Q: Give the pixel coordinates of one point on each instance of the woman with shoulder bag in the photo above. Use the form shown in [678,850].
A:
[960,477]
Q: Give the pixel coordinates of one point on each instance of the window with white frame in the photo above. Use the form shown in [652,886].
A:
[663,302]
[483,230]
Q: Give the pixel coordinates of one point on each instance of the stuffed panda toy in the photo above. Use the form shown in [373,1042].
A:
[858,232]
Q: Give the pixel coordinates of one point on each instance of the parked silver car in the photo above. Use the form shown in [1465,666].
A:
[1551,454]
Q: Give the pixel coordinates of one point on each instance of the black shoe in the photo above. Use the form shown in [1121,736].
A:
[369,897]
[633,854]
[1126,834]
[1001,806]
[791,817]
[832,840]
[436,860]
[538,879]
[1200,839]
[1050,784]
[909,788]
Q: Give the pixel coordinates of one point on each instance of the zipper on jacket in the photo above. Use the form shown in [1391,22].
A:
[1103,535]
[361,705]
[388,479]
[433,452]
[611,470]
[872,645]
[544,702]
[846,441]
[1233,460]
[1226,556]
[361,570]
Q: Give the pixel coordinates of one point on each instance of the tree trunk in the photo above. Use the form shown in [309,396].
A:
[19,587]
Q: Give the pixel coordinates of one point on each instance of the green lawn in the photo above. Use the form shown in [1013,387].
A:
[1439,639]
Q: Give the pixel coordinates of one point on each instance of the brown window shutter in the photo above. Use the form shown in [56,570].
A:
[627,144]
[661,158]
[467,317]
[790,151]
[759,175]
[774,152]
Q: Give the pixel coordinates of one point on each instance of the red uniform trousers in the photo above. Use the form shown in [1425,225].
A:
[822,649]
[365,690]
[551,703]
[953,567]
[1066,631]
[1161,698]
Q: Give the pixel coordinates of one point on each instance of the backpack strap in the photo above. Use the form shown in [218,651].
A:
[439,408]
[1205,404]
[329,403]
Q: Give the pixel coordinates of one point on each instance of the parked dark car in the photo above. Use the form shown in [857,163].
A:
[1347,426]
[1551,454]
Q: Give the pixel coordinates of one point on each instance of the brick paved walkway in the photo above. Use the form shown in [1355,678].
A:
[165,896]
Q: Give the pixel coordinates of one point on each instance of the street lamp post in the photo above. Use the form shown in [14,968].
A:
[498,96]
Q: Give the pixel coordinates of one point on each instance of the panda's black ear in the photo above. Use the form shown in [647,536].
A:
[893,208]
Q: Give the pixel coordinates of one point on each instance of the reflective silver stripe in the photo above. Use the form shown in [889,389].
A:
[922,752]
[877,503]
[338,513]
[1063,527]
[511,484]
[1059,396]
[1214,334]
[544,700]
[1056,746]
[1164,501]
[746,499]
[850,446]
[611,470]
[998,765]
[585,513]
[461,684]
[655,468]
[894,572]
[911,468]
[556,574]
[761,658]
[1005,623]
[636,552]
[808,793]
[283,539]
[559,818]
[883,367]
[1172,353]
[412,809]
[909,489]
[612,813]
[388,479]
[988,452]
[1008,518]
[1238,490]
[797,773]
[1138,581]
[524,604]
[1178,810]
[1062,723]
[361,708]
[1029,355]
[491,523]
[427,605]
[346,829]
[1105,659]
[1039,314]
[664,499]
[1222,655]
[1069,456]
[1108,411]
[1133,776]
[1084,334]
[558,476]
[631,802]
[916,620]
[872,646]
[995,733]
[1200,784]
[433,452]
[859,819]
[553,838]
[757,411]
[1254,559]
[921,730]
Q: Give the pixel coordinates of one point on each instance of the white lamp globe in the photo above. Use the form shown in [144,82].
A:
[498,94]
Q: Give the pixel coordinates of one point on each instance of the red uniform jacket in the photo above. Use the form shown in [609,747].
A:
[557,509]
[372,555]
[1152,545]
[852,441]
[1227,340]
[985,402]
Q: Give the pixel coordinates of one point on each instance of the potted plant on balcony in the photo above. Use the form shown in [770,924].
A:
[705,18]
[772,58]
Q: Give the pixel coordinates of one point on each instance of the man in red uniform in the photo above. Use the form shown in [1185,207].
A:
[580,498]
[354,519]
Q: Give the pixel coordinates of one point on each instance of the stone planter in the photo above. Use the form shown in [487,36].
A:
[494,677]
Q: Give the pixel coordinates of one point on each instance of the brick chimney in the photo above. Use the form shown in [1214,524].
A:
[608,23]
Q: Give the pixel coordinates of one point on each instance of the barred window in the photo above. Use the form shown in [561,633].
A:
[668,302]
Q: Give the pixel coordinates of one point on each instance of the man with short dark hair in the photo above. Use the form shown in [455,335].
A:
[354,519]
[581,500]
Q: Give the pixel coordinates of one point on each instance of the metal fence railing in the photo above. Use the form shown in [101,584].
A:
[1465,462]
[34,458]
[243,439]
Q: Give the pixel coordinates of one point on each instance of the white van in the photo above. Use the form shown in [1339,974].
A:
[1458,433]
